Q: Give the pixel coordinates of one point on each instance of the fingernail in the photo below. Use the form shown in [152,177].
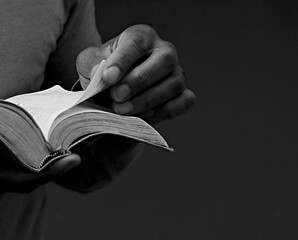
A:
[93,70]
[121,92]
[123,108]
[112,74]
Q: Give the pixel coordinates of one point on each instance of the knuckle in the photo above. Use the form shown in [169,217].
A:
[147,102]
[142,80]
[178,85]
[141,36]
[138,43]
[171,47]
[190,99]
[123,61]
[181,83]
[180,71]
[145,30]
[168,60]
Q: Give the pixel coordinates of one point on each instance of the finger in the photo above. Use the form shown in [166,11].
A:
[177,106]
[161,62]
[23,181]
[62,166]
[171,109]
[159,94]
[87,59]
[20,181]
[133,44]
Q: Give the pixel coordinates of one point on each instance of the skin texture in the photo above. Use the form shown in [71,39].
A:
[15,178]
[144,71]
[146,81]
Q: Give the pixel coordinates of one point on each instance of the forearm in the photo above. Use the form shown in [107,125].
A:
[102,160]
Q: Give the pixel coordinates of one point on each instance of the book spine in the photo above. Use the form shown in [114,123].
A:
[53,156]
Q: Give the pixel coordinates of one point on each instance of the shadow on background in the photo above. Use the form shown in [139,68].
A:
[234,171]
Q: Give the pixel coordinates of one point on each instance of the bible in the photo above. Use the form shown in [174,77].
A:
[41,127]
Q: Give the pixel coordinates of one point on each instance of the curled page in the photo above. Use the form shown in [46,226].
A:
[45,106]
[95,86]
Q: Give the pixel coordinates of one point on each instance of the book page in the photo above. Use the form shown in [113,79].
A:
[96,85]
[87,120]
[45,106]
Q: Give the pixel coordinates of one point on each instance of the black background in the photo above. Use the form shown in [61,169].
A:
[234,171]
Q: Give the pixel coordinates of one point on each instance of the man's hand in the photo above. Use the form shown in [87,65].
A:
[144,70]
[16,178]
[147,82]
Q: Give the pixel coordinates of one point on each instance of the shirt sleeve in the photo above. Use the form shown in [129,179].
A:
[79,32]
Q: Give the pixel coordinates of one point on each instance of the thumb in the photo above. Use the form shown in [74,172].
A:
[63,165]
[131,47]
[87,62]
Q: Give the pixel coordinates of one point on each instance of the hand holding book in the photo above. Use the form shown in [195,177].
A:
[145,73]
[39,128]
[15,178]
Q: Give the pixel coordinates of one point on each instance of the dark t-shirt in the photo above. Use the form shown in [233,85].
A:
[38,37]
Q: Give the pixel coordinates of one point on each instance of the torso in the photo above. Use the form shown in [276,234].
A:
[28,34]
[29,30]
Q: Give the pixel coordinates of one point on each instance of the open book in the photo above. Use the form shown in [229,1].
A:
[41,127]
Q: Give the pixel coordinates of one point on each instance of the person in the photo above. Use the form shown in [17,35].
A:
[52,42]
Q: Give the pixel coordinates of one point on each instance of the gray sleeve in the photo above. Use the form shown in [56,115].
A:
[79,32]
